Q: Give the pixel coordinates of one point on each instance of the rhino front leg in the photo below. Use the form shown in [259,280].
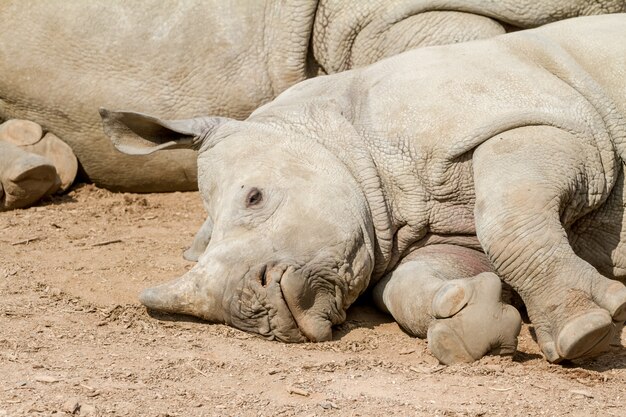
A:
[445,293]
[531,184]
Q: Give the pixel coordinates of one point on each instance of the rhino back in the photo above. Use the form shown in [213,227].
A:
[346,36]
[420,115]
[60,61]
[449,98]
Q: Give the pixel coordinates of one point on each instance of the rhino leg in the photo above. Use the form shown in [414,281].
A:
[532,184]
[445,293]
[30,137]
[24,177]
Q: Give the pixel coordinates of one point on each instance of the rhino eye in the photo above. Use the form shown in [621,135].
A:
[254,198]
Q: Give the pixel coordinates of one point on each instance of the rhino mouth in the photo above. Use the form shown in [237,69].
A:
[259,306]
[285,303]
[312,302]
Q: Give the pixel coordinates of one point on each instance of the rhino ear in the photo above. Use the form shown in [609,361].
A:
[200,241]
[141,134]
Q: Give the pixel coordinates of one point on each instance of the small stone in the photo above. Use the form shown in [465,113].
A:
[582,392]
[329,405]
[88,410]
[48,379]
[298,391]
[71,406]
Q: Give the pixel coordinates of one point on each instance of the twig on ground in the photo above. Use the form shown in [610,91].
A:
[500,389]
[198,371]
[26,241]
[107,242]
[297,391]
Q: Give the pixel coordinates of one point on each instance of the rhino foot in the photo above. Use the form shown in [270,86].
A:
[588,334]
[29,137]
[24,177]
[592,330]
[592,321]
[471,321]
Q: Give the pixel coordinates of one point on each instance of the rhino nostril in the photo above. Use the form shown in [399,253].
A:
[263,276]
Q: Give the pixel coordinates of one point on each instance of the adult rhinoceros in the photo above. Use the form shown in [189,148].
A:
[391,177]
[59,61]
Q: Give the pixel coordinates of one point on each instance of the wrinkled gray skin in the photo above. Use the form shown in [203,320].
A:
[60,61]
[390,174]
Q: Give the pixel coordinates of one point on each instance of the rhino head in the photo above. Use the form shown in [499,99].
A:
[288,237]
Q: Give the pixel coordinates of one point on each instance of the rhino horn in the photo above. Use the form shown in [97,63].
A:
[187,295]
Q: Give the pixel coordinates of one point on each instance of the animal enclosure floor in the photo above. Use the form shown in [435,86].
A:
[74,339]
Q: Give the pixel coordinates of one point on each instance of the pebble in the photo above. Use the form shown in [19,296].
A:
[298,391]
[582,392]
[329,405]
[88,410]
[71,406]
[46,378]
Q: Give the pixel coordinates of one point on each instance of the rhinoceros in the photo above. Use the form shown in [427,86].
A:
[494,158]
[60,60]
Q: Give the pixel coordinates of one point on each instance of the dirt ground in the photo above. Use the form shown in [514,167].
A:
[74,339]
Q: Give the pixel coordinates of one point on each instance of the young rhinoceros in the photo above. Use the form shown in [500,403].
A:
[392,175]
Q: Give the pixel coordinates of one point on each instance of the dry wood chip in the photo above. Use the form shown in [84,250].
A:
[500,389]
[107,242]
[582,392]
[48,379]
[26,241]
[298,391]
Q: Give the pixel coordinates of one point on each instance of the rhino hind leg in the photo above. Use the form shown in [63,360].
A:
[30,137]
[446,294]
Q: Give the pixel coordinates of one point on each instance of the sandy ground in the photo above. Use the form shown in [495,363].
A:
[73,338]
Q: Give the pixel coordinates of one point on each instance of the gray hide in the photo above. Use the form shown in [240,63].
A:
[60,61]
